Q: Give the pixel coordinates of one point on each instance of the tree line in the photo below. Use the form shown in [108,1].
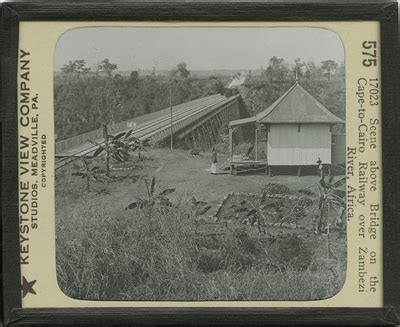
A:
[279,70]
[85,98]
[78,68]
[324,80]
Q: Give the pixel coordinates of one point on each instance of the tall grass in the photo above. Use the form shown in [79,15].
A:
[159,254]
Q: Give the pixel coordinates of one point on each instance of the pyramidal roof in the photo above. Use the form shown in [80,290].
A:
[296,105]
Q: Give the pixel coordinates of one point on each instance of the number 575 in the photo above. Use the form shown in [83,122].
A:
[371,46]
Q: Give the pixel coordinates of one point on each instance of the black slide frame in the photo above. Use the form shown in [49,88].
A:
[386,12]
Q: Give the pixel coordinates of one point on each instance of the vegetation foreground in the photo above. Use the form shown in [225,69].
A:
[171,252]
[164,245]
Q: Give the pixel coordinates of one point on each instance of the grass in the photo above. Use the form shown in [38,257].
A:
[105,252]
[157,255]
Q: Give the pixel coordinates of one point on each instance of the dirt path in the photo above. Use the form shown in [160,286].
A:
[190,176]
[173,169]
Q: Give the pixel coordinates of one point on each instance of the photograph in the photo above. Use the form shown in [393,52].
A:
[200,163]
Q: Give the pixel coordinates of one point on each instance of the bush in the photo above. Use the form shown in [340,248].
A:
[291,252]
[276,188]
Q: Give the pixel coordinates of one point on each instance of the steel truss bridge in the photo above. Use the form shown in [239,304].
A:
[195,124]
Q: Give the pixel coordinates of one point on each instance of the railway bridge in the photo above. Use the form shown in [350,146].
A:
[195,124]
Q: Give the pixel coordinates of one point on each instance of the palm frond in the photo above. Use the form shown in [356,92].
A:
[167,191]
[98,151]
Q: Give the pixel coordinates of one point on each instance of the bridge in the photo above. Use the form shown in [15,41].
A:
[195,124]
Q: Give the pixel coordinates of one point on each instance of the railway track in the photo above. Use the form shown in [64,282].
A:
[157,128]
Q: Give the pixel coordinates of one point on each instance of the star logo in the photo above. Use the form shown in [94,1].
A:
[27,287]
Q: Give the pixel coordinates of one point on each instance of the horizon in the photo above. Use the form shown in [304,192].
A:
[161,49]
[195,70]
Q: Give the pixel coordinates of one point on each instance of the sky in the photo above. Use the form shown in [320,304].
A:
[202,48]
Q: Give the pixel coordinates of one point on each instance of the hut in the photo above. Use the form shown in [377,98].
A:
[296,130]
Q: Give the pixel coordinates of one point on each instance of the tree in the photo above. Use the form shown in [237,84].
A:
[328,67]
[80,67]
[181,70]
[96,68]
[341,71]
[298,67]
[107,67]
[77,66]
[69,68]
[133,78]
[277,69]
[311,71]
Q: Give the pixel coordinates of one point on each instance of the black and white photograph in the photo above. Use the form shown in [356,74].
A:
[200,163]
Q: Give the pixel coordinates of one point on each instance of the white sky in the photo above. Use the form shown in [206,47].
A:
[201,48]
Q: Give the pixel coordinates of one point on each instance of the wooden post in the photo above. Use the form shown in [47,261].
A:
[108,154]
[87,170]
[206,135]
[194,144]
[170,108]
[267,141]
[210,132]
[194,139]
[213,134]
[230,148]
[214,127]
[199,139]
[220,119]
[191,140]
[186,141]
[299,171]
[256,141]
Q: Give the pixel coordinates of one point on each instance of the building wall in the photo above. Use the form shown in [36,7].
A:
[287,146]
[339,149]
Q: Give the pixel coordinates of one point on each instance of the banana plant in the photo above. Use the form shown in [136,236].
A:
[135,144]
[91,174]
[115,147]
[153,198]
[330,197]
